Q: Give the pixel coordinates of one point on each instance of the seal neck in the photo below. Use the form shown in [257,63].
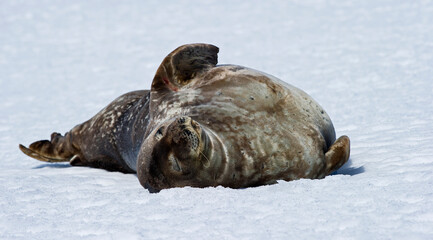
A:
[217,155]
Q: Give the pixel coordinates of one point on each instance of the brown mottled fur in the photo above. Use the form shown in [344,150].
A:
[205,125]
[101,141]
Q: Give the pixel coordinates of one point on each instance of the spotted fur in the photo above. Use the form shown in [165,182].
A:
[203,125]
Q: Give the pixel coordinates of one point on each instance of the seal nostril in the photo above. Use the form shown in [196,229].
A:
[181,120]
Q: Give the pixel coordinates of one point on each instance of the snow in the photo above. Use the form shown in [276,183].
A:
[368,63]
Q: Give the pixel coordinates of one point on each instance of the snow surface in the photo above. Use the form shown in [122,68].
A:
[368,63]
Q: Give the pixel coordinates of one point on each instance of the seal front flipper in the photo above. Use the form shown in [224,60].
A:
[338,154]
[182,65]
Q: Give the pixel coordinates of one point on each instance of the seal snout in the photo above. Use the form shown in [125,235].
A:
[190,138]
[186,133]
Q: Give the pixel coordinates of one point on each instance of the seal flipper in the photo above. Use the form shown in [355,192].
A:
[56,150]
[183,64]
[338,154]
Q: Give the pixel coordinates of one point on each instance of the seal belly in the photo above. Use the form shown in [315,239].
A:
[271,130]
[131,127]
[109,139]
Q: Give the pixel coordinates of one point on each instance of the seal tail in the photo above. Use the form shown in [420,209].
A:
[338,154]
[56,150]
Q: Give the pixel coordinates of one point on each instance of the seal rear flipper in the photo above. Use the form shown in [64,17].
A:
[183,64]
[56,150]
[338,154]
[74,160]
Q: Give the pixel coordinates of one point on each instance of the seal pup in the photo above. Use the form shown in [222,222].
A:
[203,124]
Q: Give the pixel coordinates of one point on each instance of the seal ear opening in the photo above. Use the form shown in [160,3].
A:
[183,64]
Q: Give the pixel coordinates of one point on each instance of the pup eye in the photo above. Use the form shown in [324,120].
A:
[159,133]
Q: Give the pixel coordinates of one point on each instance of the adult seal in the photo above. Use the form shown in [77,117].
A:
[203,124]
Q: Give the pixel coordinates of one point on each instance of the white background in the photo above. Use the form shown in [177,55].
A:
[368,63]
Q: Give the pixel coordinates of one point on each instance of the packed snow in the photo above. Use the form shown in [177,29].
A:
[368,63]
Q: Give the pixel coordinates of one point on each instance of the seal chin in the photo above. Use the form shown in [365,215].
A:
[179,151]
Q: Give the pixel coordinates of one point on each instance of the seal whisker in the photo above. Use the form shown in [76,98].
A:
[207,163]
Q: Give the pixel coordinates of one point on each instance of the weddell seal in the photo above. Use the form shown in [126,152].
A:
[202,125]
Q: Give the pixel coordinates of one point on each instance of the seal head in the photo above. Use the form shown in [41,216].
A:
[175,154]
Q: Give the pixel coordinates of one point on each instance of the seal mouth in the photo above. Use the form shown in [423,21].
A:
[196,141]
[190,138]
[174,162]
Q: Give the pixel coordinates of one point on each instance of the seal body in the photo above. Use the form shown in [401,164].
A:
[206,125]
[115,133]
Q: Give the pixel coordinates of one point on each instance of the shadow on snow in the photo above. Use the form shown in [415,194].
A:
[53,165]
[346,169]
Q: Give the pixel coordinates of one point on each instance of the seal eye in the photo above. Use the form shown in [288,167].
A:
[174,163]
[159,133]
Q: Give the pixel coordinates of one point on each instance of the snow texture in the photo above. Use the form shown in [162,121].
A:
[368,63]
